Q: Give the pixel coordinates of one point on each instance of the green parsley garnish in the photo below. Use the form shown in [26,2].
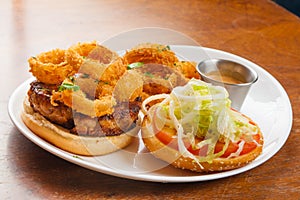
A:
[166,48]
[68,86]
[135,65]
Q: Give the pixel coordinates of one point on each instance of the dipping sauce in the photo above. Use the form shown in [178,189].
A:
[236,78]
[225,78]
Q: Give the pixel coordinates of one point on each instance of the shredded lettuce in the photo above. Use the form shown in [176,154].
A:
[202,110]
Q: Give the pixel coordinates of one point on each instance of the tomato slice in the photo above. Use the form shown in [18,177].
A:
[167,138]
[249,146]
[232,147]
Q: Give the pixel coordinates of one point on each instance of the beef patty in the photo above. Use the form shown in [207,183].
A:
[123,118]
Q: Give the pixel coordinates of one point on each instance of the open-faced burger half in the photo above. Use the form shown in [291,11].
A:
[194,128]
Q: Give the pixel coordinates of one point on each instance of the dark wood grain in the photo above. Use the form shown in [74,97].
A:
[258,30]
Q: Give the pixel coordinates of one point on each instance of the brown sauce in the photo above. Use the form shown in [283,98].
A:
[217,76]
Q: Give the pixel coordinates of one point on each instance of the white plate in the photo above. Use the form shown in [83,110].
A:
[267,104]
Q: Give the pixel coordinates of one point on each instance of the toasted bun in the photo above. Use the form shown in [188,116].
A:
[63,139]
[173,157]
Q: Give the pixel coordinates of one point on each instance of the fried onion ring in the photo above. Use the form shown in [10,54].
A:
[151,53]
[78,101]
[92,68]
[94,51]
[128,87]
[110,77]
[113,72]
[54,66]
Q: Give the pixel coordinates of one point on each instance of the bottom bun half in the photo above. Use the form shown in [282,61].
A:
[173,156]
[63,139]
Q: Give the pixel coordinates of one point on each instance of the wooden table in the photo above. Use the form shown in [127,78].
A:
[258,30]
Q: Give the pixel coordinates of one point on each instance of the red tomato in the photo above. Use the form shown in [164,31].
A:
[249,146]
[167,138]
[232,147]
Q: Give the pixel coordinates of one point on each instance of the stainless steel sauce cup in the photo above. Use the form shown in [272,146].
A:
[246,76]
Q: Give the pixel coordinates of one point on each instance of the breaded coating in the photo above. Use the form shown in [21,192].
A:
[79,103]
[187,68]
[151,53]
[54,66]
[94,51]
[92,78]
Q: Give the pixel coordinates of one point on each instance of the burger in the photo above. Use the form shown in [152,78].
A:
[72,104]
[194,128]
